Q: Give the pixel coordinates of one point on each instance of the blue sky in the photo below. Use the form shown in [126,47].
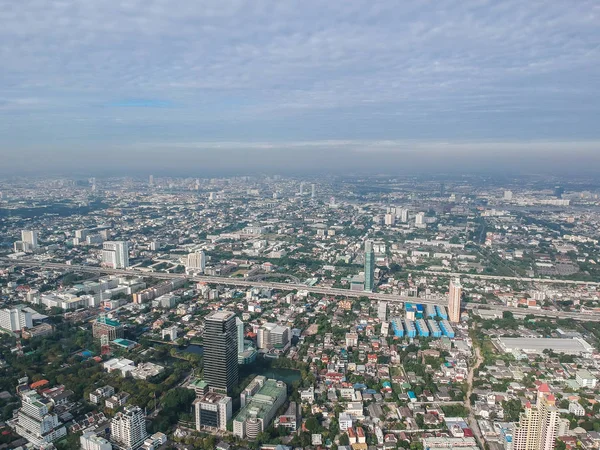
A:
[125,77]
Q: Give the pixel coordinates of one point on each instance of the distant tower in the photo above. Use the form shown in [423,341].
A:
[151,180]
[313,191]
[221,351]
[196,261]
[115,254]
[454,299]
[30,237]
[302,188]
[240,335]
[369,266]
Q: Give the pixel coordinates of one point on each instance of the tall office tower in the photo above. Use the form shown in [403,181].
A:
[35,423]
[15,319]
[404,215]
[240,335]
[115,254]
[302,188]
[196,261]
[537,428]
[128,428]
[313,190]
[221,351]
[151,180]
[508,195]
[369,266]
[390,219]
[420,218]
[454,297]
[382,311]
[30,237]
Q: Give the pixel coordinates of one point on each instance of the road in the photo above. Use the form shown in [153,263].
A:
[242,282]
[471,419]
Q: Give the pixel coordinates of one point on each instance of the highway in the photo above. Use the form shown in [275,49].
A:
[241,282]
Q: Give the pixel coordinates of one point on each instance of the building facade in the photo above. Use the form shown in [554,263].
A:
[454,301]
[221,351]
[15,319]
[128,428]
[369,266]
[213,411]
[35,423]
[115,254]
[537,428]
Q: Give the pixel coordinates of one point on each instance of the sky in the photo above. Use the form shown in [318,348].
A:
[155,85]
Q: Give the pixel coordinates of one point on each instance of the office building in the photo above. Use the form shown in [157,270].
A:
[537,428]
[369,266]
[115,254]
[196,261]
[90,441]
[35,423]
[313,191]
[128,428]
[271,335]
[30,237]
[454,299]
[221,351]
[389,219]
[213,411]
[259,411]
[151,180]
[15,319]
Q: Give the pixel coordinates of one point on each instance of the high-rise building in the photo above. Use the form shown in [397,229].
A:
[35,423]
[382,311]
[313,190]
[151,180]
[420,218]
[369,266]
[128,428]
[508,195]
[221,351]
[213,411]
[302,188]
[390,219]
[30,237]
[454,299]
[537,428]
[115,254]
[240,334]
[196,261]
[15,319]
[103,326]
[404,215]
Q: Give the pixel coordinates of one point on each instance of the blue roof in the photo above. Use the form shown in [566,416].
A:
[359,386]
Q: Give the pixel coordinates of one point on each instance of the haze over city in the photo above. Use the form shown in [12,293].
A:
[295,86]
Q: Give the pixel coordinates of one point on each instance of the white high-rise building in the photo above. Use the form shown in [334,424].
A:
[537,428]
[89,441]
[30,237]
[508,195]
[240,334]
[313,190]
[390,219]
[404,215]
[35,423]
[128,428]
[151,180]
[115,254]
[420,218]
[454,299]
[15,319]
[196,261]
[382,311]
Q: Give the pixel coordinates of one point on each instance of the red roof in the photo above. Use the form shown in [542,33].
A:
[544,387]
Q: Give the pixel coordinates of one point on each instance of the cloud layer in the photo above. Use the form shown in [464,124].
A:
[88,75]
